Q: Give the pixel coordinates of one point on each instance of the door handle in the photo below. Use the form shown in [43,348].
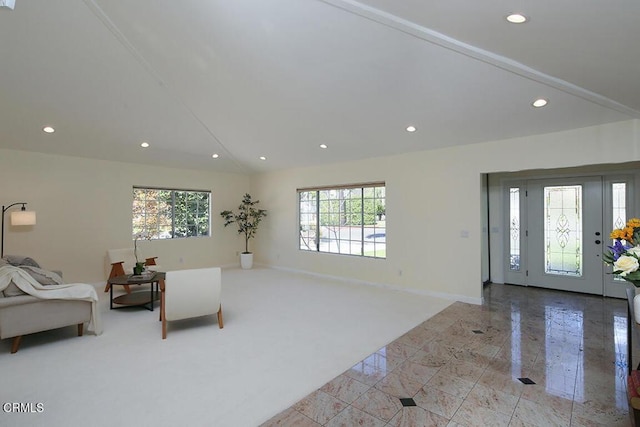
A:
[597,242]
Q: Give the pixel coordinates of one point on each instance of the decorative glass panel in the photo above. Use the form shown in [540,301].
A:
[619,205]
[563,230]
[514,228]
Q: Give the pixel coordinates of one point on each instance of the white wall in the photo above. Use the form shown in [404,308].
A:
[433,197]
[83,208]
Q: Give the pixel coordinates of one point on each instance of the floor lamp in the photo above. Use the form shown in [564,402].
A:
[21,217]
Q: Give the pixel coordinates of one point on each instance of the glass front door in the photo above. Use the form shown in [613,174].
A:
[565,239]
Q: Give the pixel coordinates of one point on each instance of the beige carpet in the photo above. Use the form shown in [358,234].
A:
[285,335]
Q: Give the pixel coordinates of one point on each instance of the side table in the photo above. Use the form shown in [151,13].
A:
[141,298]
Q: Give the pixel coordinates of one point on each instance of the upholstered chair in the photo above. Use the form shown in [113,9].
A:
[190,293]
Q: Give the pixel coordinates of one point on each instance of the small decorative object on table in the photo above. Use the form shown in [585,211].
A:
[624,255]
[139,267]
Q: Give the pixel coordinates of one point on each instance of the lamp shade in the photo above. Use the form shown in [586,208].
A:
[23,218]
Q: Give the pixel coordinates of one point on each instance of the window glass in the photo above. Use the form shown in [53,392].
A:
[346,220]
[169,214]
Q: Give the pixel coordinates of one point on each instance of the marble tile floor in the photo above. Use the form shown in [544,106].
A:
[469,365]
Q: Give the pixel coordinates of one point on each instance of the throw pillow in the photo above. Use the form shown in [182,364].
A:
[13,291]
[44,277]
[18,260]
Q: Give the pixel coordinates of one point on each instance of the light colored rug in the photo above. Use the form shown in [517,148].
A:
[285,335]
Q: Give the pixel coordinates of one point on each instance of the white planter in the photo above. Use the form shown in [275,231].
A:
[246,261]
[636,307]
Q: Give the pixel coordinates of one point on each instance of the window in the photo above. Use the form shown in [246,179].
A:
[619,210]
[619,204]
[514,228]
[160,213]
[347,220]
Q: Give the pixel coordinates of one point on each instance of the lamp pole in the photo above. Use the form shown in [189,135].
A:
[4,209]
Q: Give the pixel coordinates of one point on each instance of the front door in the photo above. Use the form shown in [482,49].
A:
[565,234]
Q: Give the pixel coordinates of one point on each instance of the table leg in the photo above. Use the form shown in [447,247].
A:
[151,302]
[111,297]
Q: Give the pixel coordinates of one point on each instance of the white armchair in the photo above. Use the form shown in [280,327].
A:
[122,262]
[190,293]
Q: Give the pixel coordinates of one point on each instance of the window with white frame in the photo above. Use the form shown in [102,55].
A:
[348,220]
[162,213]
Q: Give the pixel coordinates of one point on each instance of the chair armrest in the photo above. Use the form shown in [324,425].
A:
[117,269]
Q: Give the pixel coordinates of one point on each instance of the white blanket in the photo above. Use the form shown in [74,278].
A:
[72,291]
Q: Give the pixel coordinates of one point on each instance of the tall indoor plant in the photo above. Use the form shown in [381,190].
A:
[247,220]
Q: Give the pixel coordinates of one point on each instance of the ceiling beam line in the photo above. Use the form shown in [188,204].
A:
[122,39]
[499,61]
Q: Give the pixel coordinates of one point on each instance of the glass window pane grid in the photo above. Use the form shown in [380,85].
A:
[166,213]
[308,220]
[348,221]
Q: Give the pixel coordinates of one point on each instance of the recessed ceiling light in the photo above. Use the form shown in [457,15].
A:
[263,158]
[411,129]
[517,18]
[323,145]
[48,129]
[541,102]
[215,156]
[144,145]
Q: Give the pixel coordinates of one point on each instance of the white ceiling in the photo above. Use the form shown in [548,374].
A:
[276,78]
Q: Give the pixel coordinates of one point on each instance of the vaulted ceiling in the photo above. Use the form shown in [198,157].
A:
[277,78]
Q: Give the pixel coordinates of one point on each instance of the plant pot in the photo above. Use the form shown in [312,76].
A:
[138,268]
[636,306]
[246,260]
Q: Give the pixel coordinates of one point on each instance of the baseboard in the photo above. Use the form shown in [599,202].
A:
[423,292]
[233,265]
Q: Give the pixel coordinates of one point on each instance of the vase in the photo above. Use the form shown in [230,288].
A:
[246,260]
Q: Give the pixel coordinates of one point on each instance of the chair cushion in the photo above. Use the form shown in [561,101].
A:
[126,255]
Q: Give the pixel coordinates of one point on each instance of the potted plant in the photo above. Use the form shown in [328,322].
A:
[247,220]
[139,267]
